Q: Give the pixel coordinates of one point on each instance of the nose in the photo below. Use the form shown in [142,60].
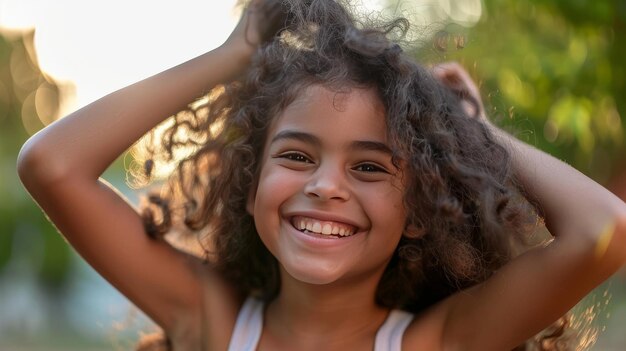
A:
[328,183]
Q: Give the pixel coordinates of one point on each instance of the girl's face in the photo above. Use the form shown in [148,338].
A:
[329,202]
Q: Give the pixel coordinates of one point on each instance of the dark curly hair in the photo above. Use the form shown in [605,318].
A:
[467,213]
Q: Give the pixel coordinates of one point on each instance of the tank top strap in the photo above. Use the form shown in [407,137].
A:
[389,335]
[248,326]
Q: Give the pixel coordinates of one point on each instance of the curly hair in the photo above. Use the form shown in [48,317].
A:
[467,212]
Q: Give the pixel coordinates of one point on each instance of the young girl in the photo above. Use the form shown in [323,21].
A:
[347,197]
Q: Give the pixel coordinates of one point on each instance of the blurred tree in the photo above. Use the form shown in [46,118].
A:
[551,71]
[28,101]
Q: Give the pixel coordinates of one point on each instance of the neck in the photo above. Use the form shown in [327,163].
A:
[305,311]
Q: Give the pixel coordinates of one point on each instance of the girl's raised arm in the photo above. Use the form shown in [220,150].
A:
[61,164]
[532,291]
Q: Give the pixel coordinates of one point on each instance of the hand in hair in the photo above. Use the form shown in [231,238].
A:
[260,21]
[589,227]
[456,78]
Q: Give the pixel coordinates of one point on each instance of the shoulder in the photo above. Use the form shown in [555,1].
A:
[211,319]
[431,329]
[427,328]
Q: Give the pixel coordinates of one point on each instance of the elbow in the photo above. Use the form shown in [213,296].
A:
[35,167]
[28,165]
[610,244]
[605,249]
[619,240]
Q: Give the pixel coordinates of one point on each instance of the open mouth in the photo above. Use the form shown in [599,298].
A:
[329,228]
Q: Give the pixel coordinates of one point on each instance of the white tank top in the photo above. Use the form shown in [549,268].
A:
[250,324]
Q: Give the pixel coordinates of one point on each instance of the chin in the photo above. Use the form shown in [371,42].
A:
[312,274]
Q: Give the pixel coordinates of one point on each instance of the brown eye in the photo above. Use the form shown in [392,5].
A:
[369,168]
[295,156]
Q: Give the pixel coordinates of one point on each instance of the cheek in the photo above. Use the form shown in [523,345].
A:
[276,184]
[385,207]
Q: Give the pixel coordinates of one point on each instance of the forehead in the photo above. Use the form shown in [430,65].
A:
[350,111]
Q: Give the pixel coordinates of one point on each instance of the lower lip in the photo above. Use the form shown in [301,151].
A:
[320,239]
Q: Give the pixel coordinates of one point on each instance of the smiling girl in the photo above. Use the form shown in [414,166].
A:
[351,199]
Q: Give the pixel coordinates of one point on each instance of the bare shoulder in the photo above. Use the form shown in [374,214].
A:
[211,318]
[426,330]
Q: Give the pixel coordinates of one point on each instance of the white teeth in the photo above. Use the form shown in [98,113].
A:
[327,229]
[322,227]
[317,227]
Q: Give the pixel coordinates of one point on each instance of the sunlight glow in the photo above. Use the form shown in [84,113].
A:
[102,46]
[19,14]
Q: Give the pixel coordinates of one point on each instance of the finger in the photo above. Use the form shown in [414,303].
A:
[446,67]
[456,77]
[447,73]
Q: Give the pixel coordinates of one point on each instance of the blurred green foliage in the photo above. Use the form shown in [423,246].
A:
[26,237]
[553,72]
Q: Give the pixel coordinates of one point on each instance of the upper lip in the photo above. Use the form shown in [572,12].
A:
[323,216]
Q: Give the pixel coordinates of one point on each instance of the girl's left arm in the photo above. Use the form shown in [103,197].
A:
[588,223]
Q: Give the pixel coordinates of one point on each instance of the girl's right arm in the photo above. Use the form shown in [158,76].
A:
[60,167]
[536,288]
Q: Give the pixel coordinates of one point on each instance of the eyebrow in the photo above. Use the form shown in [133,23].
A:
[297,136]
[356,145]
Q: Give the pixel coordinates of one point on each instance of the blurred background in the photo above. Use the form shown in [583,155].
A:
[551,72]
